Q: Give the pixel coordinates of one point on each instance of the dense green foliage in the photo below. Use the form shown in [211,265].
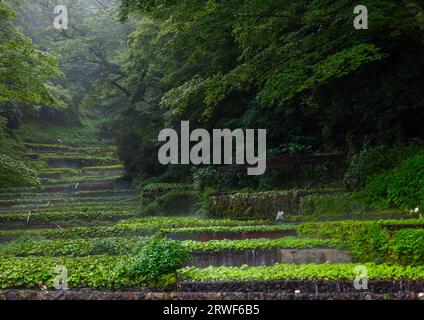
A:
[297,68]
[124,70]
[288,243]
[81,232]
[106,272]
[15,173]
[344,229]
[235,229]
[81,160]
[70,247]
[374,160]
[373,240]
[330,204]
[121,246]
[407,246]
[356,205]
[173,202]
[368,243]
[24,70]
[166,187]
[107,214]
[90,272]
[139,227]
[158,257]
[401,187]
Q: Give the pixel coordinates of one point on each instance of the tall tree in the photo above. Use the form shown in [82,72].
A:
[24,70]
[298,68]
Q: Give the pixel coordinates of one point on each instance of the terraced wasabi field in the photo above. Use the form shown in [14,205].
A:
[85,219]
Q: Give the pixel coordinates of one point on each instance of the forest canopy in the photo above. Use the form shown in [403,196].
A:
[297,68]
[24,70]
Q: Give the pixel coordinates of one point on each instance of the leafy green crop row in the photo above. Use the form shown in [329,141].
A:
[82,160]
[70,247]
[81,232]
[166,187]
[77,193]
[89,272]
[67,148]
[121,246]
[83,206]
[190,221]
[62,171]
[67,215]
[105,272]
[9,202]
[288,242]
[229,229]
[136,227]
[406,247]
[303,272]
[94,178]
[110,167]
[62,200]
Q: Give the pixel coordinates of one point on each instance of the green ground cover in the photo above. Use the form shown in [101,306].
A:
[36,217]
[378,241]
[131,228]
[121,246]
[229,229]
[303,272]
[105,272]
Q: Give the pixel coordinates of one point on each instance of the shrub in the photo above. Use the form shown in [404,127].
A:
[202,206]
[158,259]
[329,204]
[205,177]
[257,244]
[402,187]
[371,161]
[370,240]
[104,246]
[166,187]
[15,173]
[407,247]
[172,203]
[369,243]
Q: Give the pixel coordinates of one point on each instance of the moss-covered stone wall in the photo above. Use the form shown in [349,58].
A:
[263,205]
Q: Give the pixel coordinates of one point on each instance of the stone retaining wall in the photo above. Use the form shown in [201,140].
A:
[263,205]
[268,257]
[241,290]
